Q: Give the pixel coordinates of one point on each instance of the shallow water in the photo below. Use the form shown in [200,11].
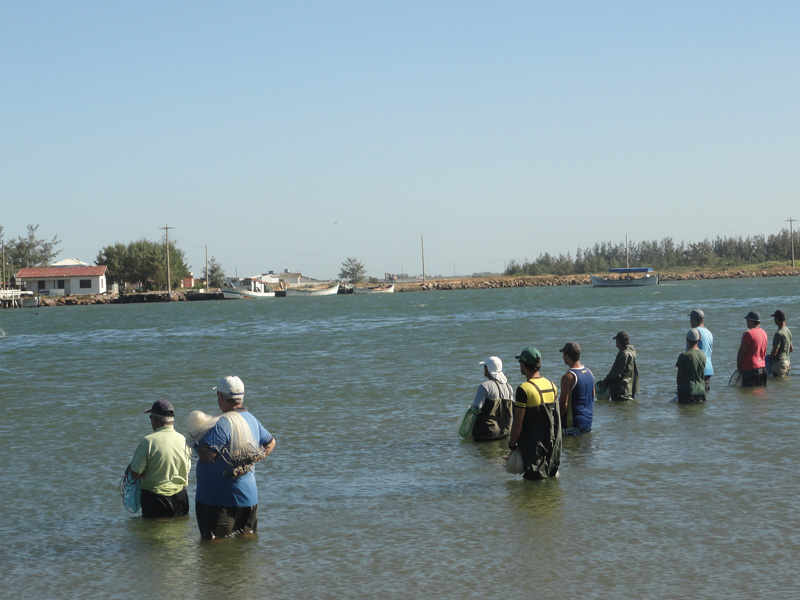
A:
[369,492]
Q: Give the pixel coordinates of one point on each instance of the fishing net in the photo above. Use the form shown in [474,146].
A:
[466,423]
[735,378]
[602,391]
[243,451]
[197,423]
[131,491]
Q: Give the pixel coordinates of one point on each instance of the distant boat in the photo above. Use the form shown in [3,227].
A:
[385,289]
[626,277]
[313,291]
[246,288]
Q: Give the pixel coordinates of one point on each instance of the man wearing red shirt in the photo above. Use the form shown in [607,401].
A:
[752,351]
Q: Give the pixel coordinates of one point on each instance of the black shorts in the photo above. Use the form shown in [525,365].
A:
[155,506]
[754,377]
[225,521]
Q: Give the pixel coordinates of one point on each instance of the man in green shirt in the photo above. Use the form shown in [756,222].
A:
[781,346]
[691,367]
[162,461]
[623,378]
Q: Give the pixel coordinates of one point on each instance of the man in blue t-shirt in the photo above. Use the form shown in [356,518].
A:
[226,501]
[697,320]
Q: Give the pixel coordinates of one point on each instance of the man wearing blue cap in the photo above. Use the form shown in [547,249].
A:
[162,461]
[752,352]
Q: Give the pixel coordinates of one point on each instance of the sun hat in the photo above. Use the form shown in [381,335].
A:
[162,408]
[753,316]
[529,355]
[693,335]
[572,349]
[697,314]
[495,367]
[230,386]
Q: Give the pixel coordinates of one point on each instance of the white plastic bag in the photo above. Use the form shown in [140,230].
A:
[514,463]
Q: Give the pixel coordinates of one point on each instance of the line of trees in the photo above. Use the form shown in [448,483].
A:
[664,254]
[143,263]
[29,251]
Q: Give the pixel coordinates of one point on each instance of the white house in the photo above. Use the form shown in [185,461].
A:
[64,280]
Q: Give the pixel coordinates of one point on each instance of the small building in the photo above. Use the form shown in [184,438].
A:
[64,280]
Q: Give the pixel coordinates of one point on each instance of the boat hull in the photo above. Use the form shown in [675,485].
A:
[598,281]
[234,294]
[381,290]
[331,291]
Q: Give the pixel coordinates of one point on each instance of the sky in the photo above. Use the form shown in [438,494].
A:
[294,135]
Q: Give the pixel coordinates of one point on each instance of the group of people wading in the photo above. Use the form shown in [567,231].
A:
[227,447]
[535,417]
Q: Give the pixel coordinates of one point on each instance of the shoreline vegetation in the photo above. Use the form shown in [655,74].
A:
[439,284]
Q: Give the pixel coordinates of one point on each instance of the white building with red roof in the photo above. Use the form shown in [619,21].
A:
[66,279]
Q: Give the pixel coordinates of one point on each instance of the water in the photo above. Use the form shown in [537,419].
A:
[370,493]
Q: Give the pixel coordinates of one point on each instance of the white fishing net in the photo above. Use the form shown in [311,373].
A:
[242,452]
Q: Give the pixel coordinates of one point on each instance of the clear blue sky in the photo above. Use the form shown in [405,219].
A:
[297,134]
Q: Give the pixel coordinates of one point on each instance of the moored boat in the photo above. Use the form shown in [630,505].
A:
[249,287]
[385,289]
[626,277]
[313,291]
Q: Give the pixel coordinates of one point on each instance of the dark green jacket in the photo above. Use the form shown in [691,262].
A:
[623,379]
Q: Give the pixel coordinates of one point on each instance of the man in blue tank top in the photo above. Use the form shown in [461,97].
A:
[577,392]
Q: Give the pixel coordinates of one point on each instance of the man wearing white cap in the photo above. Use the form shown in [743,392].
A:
[493,403]
[226,502]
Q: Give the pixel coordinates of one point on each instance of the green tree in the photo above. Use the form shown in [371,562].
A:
[215,275]
[143,263]
[31,251]
[352,270]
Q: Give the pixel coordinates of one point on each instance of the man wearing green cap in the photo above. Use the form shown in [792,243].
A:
[623,378]
[537,424]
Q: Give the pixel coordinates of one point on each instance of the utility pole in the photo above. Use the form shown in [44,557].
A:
[422,241]
[166,229]
[791,237]
[206,267]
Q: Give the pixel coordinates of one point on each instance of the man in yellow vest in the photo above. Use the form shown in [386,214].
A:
[537,423]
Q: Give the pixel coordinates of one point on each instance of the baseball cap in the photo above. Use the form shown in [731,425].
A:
[780,314]
[753,316]
[529,355]
[572,349]
[623,337]
[697,314]
[163,408]
[693,335]
[230,386]
[495,367]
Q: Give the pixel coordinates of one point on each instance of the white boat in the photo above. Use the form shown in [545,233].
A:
[313,291]
[249,287]
[386,289]
[626,277]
